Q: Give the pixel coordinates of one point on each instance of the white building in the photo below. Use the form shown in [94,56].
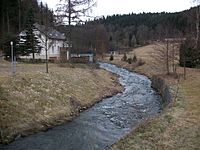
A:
[55,42]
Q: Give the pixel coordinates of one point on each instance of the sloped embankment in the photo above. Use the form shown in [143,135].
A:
[162,87]
[34,101]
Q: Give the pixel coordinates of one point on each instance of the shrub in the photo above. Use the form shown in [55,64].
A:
[111,57]
[129,60]
[134,58]
[124,58]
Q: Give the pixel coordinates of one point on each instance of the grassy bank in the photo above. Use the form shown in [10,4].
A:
[33,100]
[178,126]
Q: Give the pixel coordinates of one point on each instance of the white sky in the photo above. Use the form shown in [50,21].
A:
[110,7]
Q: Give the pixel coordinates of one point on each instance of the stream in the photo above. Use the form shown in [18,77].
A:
[105,123]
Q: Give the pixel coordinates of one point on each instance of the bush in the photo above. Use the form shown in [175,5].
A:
[124,58]
[134,58]
[111,57]
[129,60]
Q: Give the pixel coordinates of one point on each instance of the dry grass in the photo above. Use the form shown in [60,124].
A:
[144,54]
[178,127]
[34,100]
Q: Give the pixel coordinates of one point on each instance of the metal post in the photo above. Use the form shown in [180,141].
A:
[12,59]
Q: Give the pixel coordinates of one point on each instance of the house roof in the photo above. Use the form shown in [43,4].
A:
[51,33]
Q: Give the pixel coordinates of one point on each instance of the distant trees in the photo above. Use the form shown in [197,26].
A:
[88,37]
[138,29]
[142,34]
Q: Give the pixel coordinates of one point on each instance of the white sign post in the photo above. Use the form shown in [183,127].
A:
[12,59]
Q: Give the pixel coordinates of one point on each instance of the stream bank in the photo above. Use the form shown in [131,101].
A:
[34,101]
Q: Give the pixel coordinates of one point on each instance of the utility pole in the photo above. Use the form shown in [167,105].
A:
[46,48]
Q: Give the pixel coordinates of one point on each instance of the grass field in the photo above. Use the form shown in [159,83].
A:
[33,100]
[178,127]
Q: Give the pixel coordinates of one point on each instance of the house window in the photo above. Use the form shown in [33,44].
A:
[53,49]
[58,48]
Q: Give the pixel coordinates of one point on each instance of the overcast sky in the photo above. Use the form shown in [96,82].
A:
[110,7]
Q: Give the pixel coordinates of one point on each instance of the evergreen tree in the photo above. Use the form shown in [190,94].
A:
[189,54]
[31,42]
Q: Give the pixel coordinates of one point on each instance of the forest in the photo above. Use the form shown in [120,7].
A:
[138,29]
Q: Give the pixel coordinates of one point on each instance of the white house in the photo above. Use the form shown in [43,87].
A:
[55,42]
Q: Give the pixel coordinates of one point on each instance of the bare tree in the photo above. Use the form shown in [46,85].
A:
[197,3]
[166,55]
[46,41]
[72,11]
[161,56]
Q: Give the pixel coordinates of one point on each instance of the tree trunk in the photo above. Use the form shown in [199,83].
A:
[197,26]
[19,15]
[167,57]
[33,56]
[69,23]
[173,58]
[3,21]
[46,46]
[184,67]
[8,20]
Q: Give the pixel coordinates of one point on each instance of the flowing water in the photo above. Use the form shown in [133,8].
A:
[102,125]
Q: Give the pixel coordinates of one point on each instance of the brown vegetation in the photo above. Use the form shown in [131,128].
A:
[33,100]
[178,126]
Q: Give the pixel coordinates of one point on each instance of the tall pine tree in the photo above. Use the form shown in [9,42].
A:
[31,41]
